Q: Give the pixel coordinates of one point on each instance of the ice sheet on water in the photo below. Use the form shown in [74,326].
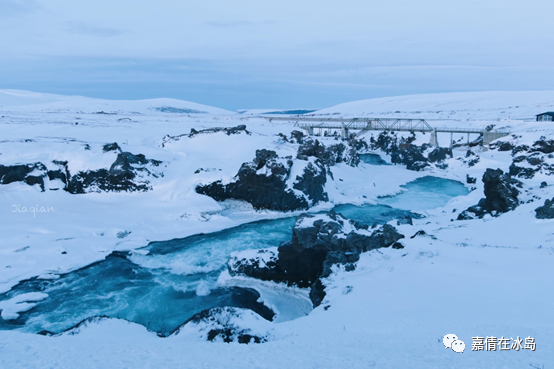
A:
[19,304]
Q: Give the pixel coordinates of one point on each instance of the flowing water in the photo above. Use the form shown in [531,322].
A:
[373,159]
[173,280]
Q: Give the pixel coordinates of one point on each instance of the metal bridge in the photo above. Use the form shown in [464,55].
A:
[345,125]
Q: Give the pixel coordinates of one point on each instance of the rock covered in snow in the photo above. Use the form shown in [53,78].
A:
[227,324]
[266,181]
[318,242]
[404,151]
[546,211]
[30,174]
[295,137]
[111,147]
[127,173]
[241,128]
[529,160]
[263,183]
[501,195]
[328,155]
[227,130]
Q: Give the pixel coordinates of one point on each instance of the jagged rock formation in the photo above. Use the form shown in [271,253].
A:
[193,132]
[500,195]
[546,211]
[123,175]
[266,184]
[30,174]
[539,158]
[318,242]
[263,183]
[404,151]
[111,147]
[470,158]
[328,155]
[127,173]
[227,130]
[296,137]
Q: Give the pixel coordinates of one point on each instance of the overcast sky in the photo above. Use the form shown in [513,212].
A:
[275,54]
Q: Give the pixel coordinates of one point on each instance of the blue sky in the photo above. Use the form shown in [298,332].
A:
[274,54]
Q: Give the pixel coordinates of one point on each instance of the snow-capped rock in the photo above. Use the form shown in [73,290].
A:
[318,242]
[501,195]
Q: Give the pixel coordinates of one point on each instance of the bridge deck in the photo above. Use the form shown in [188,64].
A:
[368,124]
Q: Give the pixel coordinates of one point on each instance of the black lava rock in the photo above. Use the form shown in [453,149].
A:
[329,155]
[22,173]
[405,152]
[263,183]
[121,176]
[546,211]
[227,130]
[317,243]
[297,137]
[530,160]
[111,147]
[312,182]
[439,154]
[500,195]
[264,189]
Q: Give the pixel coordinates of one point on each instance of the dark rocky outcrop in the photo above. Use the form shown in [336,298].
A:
[500,195]
[111,147]
[193,132]
[404,151]
[502,146]
[543,145]
[329,155]
[296,137]
[266,184]
[470,158]
[439,154]
[546,211]
[125,174]
[262,183]
[318,242]
[227,130]
[23,173]
[530,160]
[312,182]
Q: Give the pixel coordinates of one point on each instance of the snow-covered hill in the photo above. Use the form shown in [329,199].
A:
[21,101]
[490,105]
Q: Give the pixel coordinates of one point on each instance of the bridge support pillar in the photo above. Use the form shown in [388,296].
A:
[488,137]
[434,141]
[311,131]
[451,139]
[344,132]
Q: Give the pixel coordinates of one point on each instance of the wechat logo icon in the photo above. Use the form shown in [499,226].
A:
[451,341]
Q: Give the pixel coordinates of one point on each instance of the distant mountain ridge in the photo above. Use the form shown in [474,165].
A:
[27,100]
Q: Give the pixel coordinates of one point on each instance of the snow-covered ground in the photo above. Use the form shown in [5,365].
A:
[489,277]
